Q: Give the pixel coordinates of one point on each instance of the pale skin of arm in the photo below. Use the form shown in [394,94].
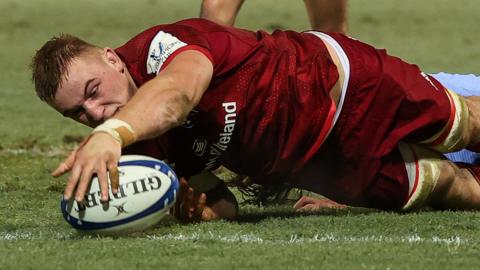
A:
[159,105]
[324,15]
[223,12]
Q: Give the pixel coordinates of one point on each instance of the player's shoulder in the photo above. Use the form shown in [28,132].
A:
[186,29]
[193,24]
[196,22]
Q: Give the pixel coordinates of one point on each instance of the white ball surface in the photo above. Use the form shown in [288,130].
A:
[148,189]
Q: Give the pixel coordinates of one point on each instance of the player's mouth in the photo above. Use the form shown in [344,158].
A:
[110,112]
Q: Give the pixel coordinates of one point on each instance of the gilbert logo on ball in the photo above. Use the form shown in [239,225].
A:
[148,189]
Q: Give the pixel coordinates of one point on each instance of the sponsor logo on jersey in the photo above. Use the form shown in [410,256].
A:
[162,46]
[199,147]
[218,148]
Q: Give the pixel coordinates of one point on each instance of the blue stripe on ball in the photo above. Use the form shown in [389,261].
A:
[157,206]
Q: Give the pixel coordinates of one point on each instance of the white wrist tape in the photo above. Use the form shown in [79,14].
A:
[120,130]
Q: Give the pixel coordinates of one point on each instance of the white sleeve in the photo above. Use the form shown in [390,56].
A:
[162,46]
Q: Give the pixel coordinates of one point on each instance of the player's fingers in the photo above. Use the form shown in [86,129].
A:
[72,182]
[65,166]
[114,177]
[103,182]
[202,198]
[183,187]
[61,169]
[199,199]
[209,214]
[82,186]
[189,194]
[303,200]
[188,206]
[181,208]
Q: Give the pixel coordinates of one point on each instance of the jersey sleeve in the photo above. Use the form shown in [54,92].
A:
[152,50]
[171,40]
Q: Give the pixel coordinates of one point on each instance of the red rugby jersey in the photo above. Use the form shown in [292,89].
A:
[265,106]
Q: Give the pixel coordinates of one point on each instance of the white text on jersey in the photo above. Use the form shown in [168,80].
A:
[224,138]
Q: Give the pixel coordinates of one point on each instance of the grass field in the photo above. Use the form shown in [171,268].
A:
[439,35]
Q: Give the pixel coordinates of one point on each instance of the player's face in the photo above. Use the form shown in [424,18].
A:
[96,86]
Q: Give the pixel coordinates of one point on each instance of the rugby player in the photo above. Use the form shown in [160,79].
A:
[331,16]
[324,113]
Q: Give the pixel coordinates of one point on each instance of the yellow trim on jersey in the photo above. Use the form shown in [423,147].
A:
[423,169]
[454,140]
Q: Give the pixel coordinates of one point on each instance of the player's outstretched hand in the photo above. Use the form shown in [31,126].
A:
[191,206]
[306,204]
[97,154]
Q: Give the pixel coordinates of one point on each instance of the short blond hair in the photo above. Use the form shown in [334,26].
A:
[49,64]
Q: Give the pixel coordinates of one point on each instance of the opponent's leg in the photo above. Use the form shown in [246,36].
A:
[457,188]
[463,84]
[473,104]
[223,12]
[438,182]
[327,15]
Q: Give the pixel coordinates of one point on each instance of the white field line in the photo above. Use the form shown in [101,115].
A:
[50,152]
[326,238]
[256,239]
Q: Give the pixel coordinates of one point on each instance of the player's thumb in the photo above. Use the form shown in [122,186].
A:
[65,166]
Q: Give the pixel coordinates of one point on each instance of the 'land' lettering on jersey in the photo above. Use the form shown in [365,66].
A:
[224,138]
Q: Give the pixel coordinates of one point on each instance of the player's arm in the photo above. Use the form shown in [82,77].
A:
[327,15]
[165,101]
[204,198]
[157,106]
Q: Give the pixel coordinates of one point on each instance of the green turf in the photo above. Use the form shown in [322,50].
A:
[439,35]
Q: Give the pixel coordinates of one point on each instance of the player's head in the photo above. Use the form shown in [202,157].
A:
[80,80]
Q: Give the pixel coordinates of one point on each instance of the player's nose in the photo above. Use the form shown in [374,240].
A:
[94,111]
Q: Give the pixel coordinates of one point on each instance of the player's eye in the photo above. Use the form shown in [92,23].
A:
[94,92]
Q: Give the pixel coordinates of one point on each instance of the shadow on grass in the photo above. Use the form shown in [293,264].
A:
[251,215]
[248,215]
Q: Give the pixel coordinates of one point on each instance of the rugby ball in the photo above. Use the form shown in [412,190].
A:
[148,189]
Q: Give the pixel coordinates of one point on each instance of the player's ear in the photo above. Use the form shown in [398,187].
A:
[113,59]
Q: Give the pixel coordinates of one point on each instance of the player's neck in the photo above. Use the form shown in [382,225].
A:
[132,86]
